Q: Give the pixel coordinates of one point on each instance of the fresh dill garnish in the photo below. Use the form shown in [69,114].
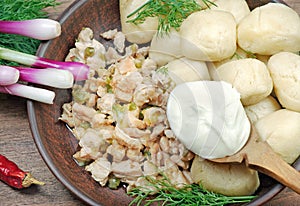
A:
[163,70]
[249,54]
[236,55]
[168,194]
[15,10]
[170,13]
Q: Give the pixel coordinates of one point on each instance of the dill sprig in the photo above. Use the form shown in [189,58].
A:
[170,13]
[168,194]
[163,70]
[249,54]
[16,10]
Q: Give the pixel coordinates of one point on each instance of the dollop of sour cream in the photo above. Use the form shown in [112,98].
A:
[208,118]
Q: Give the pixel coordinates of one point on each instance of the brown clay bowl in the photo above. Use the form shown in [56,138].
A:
[56,143]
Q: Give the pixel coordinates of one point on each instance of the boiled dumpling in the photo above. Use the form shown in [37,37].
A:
[204,5]
[187,70]
[270,29]
[238,54]
[249,76]
[208,35]
[281,131]
[225,178]
[165,47]
[285,71]
[136,33]
[264,107]
[238,8]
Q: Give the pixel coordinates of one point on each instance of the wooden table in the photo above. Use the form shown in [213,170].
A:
[17,144]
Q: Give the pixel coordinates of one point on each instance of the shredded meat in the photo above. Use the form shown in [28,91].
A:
[127,168]
[124,139]
[117,151]
[84,112]
[100,169]
[119,115]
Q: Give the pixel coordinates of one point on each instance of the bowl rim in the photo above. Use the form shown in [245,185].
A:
[33,122]
[277,188]
[45,156]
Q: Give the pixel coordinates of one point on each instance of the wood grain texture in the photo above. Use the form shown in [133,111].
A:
[17,144]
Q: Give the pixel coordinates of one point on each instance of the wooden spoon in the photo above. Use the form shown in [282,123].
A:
[260,156]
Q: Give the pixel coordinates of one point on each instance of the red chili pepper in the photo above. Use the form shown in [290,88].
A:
[12,175]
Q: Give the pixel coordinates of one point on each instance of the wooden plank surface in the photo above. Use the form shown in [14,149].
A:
[17,144]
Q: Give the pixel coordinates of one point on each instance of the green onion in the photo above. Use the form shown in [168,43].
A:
[113,183]
[8,75]
[21,90]
[62,79]
[79,70]
[18,10]
[42,29]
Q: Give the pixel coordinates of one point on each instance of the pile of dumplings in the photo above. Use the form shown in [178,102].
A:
[256,51]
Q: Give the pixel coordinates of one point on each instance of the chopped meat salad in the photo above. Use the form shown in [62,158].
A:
[119,115]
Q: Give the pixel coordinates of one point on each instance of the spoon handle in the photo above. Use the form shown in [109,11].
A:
[265,160]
